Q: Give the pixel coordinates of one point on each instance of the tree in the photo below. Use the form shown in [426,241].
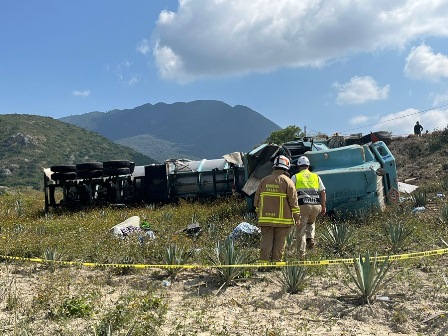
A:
[289,133]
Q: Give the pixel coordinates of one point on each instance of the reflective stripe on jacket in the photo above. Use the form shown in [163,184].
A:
[276,200]
[307,185]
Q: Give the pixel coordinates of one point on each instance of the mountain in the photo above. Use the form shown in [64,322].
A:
[29,142]
[203,129]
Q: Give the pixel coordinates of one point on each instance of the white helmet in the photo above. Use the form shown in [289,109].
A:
[303,161]
[282,161]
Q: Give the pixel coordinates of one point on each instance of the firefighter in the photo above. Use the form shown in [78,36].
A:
[277,209]
[312,200]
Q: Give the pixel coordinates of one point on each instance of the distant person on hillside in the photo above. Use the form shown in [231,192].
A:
[418,129]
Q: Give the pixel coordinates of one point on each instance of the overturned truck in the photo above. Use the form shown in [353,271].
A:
[120,182]
[356,177]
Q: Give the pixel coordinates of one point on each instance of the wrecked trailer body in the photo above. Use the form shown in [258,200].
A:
[356,177]
[96,183]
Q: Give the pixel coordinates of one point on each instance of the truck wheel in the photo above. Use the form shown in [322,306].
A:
[90,173]
[63,168]
[116,171]
[117,164]
[89,166]
[63,176]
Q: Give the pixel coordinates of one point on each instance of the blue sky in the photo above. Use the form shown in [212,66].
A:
[330,66]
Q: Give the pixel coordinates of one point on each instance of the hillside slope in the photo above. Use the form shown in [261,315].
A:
[29,142]
[422,159]
[204,129]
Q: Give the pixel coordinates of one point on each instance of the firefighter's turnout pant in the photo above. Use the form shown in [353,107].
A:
[273,241]
[307,229]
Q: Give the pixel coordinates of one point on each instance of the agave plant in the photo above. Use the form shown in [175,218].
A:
[250,217]
[369,276]
[51,254]
[338,236]
[175,256]
[293,278]
[444,214]
[398,235]
[419,197]
[225,256]
[290,239]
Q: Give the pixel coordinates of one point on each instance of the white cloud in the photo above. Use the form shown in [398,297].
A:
[361,119]
[422,63]
[231,37]
[360,90]
[84,93]
[439,99]
[143,47]
[123,71]
[402,123]
[133,80]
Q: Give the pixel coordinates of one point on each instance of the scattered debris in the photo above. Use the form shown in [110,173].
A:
[244,228]
[193,229]
[419,209]
[166,283]
[132,225]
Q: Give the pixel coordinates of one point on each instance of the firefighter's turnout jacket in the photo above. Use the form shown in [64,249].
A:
[276,200]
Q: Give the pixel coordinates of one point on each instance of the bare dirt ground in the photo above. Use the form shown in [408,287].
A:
[416,302]
[416,162]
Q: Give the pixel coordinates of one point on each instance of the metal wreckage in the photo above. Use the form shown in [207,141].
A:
[358,173]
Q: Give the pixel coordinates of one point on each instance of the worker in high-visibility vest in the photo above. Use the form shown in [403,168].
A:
[312,202]
[277,209]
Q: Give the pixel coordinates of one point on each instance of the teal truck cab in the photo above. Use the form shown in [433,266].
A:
[356,177]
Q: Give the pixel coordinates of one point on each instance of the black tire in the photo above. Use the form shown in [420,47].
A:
[117,164]
[89,174]
[63,168]
[116,171]
[64,176]
[89,166]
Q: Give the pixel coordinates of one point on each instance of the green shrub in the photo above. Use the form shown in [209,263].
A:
[139,314]
[78,306]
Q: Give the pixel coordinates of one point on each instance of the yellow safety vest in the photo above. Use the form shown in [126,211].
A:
[307,185]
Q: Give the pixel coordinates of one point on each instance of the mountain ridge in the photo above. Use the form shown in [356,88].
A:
[30,142]
[197,130]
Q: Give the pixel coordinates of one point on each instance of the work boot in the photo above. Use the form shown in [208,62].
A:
[310,243]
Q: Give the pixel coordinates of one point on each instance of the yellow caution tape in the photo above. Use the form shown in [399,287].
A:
[267,264]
